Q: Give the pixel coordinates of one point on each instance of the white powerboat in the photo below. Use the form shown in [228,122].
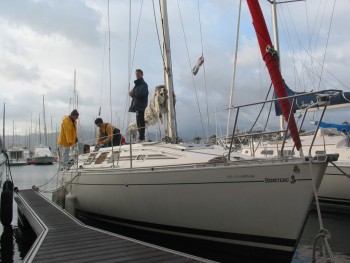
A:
[16,156]
[42,155]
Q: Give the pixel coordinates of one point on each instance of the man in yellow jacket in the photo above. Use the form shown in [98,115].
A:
[68,135]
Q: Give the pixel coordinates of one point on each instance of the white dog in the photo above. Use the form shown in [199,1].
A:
[154,111]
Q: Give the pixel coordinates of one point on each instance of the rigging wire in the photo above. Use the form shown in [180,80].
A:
[159,43]
[319,30]
[129,64]
[301,76]
[310,34]
[281,15]
[204,72]
[190,64]
[110,71]
[325,50]
[310,69]
[137,34]
[103,64]
[131,60]
[163,60]
[234,68]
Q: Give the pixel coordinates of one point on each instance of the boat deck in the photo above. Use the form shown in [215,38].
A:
[62,238]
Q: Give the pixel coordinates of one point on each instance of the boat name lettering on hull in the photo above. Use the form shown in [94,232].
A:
[242,176]
[276,180]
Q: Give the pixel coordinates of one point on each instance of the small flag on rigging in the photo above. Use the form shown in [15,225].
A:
[198,65]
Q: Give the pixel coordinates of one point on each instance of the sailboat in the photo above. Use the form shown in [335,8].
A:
[16,152]
[330,138]
[2,149]
[201,192]
[42,153]
[2,164]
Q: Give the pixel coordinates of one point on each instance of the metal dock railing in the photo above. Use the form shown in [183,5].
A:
[62,238]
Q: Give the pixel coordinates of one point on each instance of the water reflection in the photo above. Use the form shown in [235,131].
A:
[25,238]
[7,244]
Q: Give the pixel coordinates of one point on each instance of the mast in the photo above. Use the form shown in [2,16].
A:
[276,42]
[275,27]
[39,131]
[30,132]
[3,128]
[276,37]
[234,71]
[52,140]
[45,130]
[75,90]
[270,57]
[168,75]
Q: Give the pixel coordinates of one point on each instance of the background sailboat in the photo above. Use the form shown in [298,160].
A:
[42,153]
[2,149]
[16,152]
[336,183]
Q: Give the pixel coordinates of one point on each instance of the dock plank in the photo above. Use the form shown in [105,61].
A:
[68,240]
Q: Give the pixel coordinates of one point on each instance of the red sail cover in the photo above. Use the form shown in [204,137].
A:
[272,66]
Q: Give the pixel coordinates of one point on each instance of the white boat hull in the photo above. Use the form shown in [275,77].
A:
[220,203]
[17,162]
[335,186]
[2,167]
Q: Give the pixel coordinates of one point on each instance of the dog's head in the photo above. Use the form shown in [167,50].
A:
[161,94]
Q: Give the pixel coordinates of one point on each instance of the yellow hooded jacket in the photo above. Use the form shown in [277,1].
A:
[68,133]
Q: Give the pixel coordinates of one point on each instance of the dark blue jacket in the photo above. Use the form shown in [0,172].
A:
[139,96]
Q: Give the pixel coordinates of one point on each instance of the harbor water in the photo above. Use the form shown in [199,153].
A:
[15,241]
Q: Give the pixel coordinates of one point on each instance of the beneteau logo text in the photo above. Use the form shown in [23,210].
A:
[276,180]
[281,180]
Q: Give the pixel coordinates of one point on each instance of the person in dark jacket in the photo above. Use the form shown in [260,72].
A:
[139,95]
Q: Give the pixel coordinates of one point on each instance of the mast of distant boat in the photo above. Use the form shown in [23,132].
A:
[13,132]
[75,90]
[168,75]
[233,73]
[39,131]
[30,132]
[45,130]
[3,128]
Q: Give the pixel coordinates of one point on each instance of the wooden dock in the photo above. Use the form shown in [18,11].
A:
[62,238]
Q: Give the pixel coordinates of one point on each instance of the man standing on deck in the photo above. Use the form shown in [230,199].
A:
[68,136]
[139,95]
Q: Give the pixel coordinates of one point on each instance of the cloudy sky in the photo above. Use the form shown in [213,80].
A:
[42,43]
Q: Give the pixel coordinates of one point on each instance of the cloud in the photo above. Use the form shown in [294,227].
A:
[71,19]
[44,42]
[17,72]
